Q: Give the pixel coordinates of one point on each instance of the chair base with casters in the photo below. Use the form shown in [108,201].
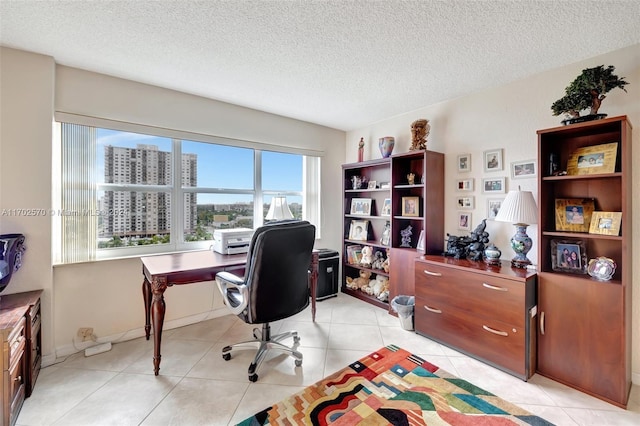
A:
[265,342]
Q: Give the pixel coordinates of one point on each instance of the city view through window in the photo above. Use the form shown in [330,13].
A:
[217,187]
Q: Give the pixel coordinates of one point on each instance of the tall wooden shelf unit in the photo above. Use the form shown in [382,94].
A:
[584,333]
[428,187]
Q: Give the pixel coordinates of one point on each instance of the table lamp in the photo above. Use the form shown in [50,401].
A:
[279,210]
[519,208]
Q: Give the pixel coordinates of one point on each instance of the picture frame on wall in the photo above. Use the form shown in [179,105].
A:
[464,185]
[493,207]
[464,163]
[569,256]
[361,206]
[466,203]
[494,185]
[359,230]
[524,169]
[464,221]
[493,160]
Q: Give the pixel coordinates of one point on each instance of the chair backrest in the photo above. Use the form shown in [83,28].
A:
[277,271]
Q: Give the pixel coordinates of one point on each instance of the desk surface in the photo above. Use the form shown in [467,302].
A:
[180,267]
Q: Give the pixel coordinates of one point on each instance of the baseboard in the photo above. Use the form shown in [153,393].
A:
[75,347]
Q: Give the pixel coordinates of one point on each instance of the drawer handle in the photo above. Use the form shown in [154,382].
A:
[435,274]
[491,330]
[494,287]
[434,310]
[542,323]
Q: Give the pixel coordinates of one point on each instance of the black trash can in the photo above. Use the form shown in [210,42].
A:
[328,263]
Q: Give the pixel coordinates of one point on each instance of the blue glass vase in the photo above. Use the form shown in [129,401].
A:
[386,145]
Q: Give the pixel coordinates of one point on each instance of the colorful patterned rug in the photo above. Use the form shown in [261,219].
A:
[393,387]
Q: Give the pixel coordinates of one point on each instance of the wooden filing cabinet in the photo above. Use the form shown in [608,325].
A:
[21,357]
[487,312]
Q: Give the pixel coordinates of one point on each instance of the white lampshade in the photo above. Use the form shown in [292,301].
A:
[518,207]
[279,210]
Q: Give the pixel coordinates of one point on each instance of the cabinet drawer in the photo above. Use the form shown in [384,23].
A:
[482,295]
[16,341]
[494,341]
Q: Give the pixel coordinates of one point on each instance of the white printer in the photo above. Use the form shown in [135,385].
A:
[232,241]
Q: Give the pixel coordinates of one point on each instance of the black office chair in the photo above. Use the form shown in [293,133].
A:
[275,286]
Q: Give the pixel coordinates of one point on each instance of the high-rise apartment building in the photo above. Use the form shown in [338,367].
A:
[146,213]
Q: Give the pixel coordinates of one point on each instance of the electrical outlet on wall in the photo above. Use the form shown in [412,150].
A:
[85,333]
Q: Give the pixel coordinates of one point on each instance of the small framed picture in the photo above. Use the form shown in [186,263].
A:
[493,207]
[569,256]
[605,223]
[361,206]
[464,184]
[410,206]
[371,184]
[524,169]
[386,234]
[386,207]
[467,203]
[593,160]
[464,221]
[421,243]
[359,230]
[464,163]
[493,160]
[574,214]
[494,185]
[385,185]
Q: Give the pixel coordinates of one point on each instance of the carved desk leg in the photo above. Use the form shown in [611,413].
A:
[158,286]
[146,296]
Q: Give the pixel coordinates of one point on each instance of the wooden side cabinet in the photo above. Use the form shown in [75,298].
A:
[487,312]
[21,358]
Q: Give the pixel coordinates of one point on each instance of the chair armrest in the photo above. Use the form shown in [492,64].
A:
[235,293]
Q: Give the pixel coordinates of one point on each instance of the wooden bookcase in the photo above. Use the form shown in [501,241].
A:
[428,168]
[584,331]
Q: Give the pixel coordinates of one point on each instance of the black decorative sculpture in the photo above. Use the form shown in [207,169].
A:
[471,247]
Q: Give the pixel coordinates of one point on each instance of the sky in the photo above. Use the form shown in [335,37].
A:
[219,166]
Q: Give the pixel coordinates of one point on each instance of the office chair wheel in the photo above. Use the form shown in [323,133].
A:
[298,363]
[226,357]
[253,378]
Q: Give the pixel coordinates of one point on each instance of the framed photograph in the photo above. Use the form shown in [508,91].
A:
[493,207]
[386,207]
[464,163]
[574,214]
[494,185]
[410,206]
[361,206]
[568,256]
[605,223]
[464,184]
[493,160]
[524,169]
[359,230]
[385,185]
[593,160]
[371,184]
[464,221]
[465,203]
[385,240]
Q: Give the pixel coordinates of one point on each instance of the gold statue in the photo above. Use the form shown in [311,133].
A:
[419,132]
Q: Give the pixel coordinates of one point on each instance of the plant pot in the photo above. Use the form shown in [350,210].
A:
[583,118]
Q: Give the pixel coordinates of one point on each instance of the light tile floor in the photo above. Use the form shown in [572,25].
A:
[197,387]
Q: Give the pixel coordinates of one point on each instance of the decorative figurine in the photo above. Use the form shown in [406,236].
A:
[411,178]
[471,247]
[406,237]
[419,131]
[602,268]
[492,254]
[361,150]
[356,182]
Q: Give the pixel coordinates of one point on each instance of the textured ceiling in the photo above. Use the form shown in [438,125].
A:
[342,64]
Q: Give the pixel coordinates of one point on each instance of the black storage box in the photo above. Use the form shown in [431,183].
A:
[328,264]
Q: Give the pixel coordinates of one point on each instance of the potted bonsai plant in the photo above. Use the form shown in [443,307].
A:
[587,91]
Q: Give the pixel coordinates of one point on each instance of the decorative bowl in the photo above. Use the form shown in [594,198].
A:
[601,268]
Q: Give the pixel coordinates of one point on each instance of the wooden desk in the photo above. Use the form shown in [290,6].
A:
[167,270]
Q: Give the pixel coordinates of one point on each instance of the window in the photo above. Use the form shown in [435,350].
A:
[126,193]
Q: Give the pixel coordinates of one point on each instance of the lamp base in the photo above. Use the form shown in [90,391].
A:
[519,263]
[521,244]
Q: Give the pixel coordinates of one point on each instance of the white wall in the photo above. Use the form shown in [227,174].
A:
[508,117]
[107,295]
